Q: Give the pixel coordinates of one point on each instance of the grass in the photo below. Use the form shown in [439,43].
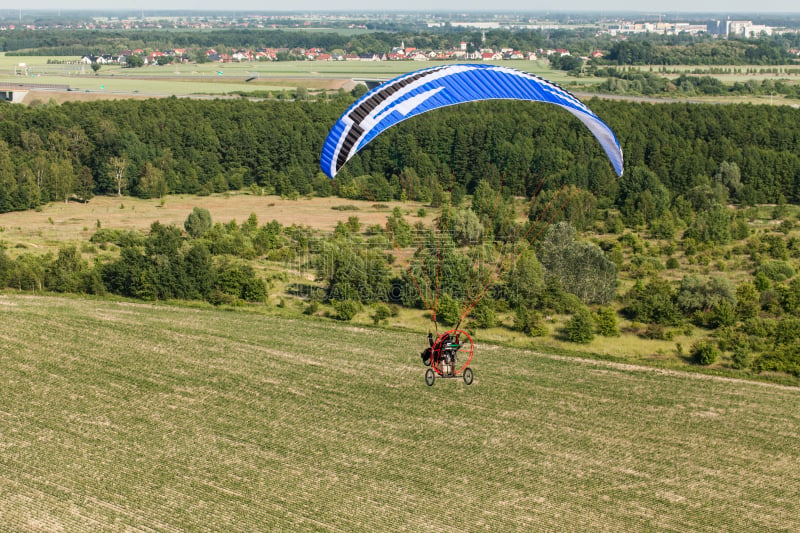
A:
[60,223]
[217,78]
[120,415]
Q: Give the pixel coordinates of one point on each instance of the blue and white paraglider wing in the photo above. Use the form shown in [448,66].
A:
[431,88]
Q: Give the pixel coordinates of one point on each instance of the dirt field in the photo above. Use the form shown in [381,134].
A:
[59,223]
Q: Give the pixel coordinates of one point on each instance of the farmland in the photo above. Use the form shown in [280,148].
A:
[262,77]
[220,79]
[240,421]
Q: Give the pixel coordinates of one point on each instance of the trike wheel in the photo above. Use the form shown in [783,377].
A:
[430,377]
[468,376]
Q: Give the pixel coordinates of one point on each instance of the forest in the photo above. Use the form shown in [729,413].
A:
[479,167]
[149,148]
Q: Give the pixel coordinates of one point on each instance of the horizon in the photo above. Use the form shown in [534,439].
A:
[721,8]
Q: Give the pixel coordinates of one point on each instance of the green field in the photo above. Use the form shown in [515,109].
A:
[130,416]
[218,78]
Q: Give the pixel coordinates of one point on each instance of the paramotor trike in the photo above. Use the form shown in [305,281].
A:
[443,356]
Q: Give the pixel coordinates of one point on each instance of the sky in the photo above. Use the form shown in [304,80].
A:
[669,7]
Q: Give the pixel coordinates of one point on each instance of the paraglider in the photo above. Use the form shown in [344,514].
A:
[412,94]
[436,87]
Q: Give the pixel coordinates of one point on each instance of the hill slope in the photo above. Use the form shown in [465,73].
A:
[121,415]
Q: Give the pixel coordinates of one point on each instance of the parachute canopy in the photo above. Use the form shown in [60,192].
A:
[431,88]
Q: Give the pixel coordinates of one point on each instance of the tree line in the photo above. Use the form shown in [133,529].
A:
[154,147]
[649,49]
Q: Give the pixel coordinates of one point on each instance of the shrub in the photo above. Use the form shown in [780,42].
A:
[605,321]
[783,359]
[483,316]
[106,235]
[382,313]
[530,323]
[254,290]
[346,309]
[741,358]
[704,353]
[449,311]
[579,327]
[776,270]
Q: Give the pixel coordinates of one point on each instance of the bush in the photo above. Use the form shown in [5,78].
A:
[783,359]
[483,316]
[776,270]
[346,309]
[704,353]
[579,327]
[254,290]
[605,321]
[741,358]
[382,313]
[449,311]
[106,235]
[530,323]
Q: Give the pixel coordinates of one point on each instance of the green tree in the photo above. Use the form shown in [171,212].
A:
[448,311]
[66,272]
[605,320]
[704,353]
[61,179]
[524,281]
[152,182]
[579,328]
[466,227]
[8,181]
[642,196]
[6,266]
[135,61]
[198,222]
[381,314]
[84,186]
[529,322]
[200,272]
[711,226]
[653,303]
[399,231]
[483,314]
[581,267]
[346,309]
[747,304]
